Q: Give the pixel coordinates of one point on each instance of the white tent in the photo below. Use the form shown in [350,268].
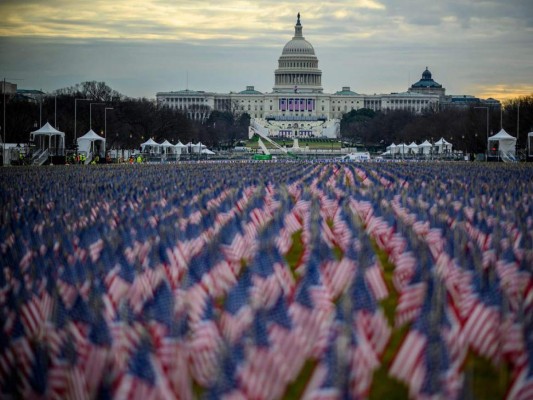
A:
[167,147]
[180,147]
[150,146]
[92,145]
[191,148]
[56,139]
[200,146]
[207,151]
[169,150]
[402,149]
[392,148]
[443,146]
[196,148]
[425,148]
[502,144]
[166,144]
[413,148]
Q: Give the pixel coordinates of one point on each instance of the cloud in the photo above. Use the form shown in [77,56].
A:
[239,20]
[371,45]
[505,92]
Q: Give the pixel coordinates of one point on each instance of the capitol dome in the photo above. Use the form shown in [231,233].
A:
[298,66]
[298,45]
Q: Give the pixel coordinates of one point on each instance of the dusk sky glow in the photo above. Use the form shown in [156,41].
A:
[481,48]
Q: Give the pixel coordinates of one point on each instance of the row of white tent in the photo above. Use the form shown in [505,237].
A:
[154,148]
[440,147]
[501,144]
[91,142]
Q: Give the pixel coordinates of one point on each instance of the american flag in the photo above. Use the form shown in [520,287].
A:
[423,360]
[410,300]
[331,377]
[238,314]
[205,345]
[522,386]
[139,382]
[482,325]
[258,375]
[369,320]
[184,280]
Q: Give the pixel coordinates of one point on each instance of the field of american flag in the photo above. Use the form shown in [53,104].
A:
[281,280]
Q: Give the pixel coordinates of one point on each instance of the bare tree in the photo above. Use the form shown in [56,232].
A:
[97,91]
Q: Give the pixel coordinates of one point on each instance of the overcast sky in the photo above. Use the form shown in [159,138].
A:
[479,47]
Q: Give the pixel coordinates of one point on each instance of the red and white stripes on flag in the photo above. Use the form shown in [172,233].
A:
[205,345]
[405,265]
[374,328]
[32,316]
[233,326]
[133,388]
[259,376]
[374,279]
[288,348]
[363,362]
[481,331]
[117,288]
[522,387]
[67,292]
[407,364]
[337,275]
[173,357]
[410,303]
[94,365]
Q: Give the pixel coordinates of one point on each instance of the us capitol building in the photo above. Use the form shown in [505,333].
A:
[297,105]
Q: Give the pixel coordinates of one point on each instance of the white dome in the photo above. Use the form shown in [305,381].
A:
[298,45]
[298,66]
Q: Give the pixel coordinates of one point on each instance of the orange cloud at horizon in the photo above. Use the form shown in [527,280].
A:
[504,92]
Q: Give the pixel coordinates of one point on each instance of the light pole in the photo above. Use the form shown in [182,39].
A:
[41,108]
[105,120]
[4,123]
[75,116]
[517,122]
[487,109]
[90,114]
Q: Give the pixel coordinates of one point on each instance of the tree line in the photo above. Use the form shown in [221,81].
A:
[466,128]
[126,122]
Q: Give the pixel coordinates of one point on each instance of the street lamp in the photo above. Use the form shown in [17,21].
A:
[487,109]
[4,124]
[75,116]
[517,122]
[91,113]
[105,120]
